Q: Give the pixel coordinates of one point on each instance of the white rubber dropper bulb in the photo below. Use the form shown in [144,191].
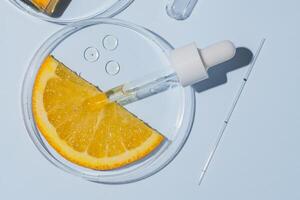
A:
[191,64]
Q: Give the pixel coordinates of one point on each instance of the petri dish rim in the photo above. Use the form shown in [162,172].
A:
[166,153]
[113,10]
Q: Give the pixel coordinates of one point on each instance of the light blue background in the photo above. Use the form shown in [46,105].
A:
[259,154]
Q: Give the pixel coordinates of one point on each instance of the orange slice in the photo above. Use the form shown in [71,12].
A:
[102,136]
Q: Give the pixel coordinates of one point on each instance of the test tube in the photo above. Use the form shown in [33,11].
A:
[181,9]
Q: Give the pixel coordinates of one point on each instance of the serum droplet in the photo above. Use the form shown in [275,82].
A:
[110,42]
[112,68]
[91,54]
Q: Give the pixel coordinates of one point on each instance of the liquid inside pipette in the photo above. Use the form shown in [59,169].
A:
[136,90]
[143,88]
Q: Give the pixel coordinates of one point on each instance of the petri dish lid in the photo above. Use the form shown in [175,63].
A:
[75,10]
[107,53]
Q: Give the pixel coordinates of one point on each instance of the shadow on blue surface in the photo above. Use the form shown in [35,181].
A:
[218,74]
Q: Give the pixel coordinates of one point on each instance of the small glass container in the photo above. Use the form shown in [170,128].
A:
[136,53]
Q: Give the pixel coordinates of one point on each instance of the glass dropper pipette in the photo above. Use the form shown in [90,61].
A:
[189,65]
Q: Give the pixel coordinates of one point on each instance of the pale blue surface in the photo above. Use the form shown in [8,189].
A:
[259,154]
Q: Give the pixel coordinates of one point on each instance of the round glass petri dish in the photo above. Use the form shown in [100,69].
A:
[107,53]
[73,10]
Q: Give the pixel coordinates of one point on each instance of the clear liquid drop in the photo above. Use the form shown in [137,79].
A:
[112,68]
[91,54]
[110,42]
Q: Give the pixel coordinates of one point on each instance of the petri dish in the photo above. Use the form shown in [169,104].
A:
[139,52]
[76,10]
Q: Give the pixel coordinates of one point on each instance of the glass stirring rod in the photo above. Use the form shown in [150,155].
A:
[189,65]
